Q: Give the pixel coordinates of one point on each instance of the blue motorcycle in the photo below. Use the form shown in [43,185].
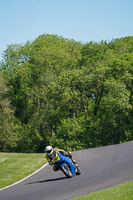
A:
[65,164]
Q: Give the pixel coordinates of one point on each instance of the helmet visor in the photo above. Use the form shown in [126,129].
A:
[49,151]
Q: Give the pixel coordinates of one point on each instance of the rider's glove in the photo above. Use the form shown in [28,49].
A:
[69,154]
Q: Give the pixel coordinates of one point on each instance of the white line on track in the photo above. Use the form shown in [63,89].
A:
[24,178]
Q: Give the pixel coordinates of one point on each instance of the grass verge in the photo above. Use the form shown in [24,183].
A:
[15,166]
[120,192]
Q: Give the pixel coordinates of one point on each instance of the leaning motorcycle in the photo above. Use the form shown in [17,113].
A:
[66,165]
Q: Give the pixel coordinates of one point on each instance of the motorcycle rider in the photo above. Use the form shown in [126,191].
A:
[50,152]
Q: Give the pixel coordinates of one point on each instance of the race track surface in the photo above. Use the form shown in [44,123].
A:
[101,168]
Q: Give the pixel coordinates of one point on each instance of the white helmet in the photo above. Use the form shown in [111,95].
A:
[49,150]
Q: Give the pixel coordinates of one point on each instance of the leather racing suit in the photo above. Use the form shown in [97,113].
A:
[61,151]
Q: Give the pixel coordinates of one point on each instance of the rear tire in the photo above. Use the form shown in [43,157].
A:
[78,171]
[66,171]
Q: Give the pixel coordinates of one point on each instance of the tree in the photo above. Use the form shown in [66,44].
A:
[8,135]
[70,94]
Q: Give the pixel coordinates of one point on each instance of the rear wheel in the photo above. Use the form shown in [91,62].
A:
[66,171]
[78,170]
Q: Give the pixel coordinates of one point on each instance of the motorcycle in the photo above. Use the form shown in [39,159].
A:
[66,165]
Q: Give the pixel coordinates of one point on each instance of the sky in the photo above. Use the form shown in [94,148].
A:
[81,20]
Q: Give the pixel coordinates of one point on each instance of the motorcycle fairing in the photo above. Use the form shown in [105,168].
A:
[60,158]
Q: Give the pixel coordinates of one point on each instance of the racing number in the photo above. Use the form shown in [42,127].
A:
[56,158]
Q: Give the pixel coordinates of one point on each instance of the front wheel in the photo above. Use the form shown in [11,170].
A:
[66,171]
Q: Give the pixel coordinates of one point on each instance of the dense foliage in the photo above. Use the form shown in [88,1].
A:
[64,93]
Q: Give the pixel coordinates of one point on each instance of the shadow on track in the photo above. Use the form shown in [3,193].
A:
[48,180]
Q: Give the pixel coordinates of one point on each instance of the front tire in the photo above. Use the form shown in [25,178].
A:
[66,171]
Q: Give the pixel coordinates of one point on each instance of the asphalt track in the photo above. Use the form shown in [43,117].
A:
[101,168]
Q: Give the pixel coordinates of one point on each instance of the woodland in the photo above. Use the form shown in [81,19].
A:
[64,93]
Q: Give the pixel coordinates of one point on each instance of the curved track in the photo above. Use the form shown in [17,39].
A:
[101,168]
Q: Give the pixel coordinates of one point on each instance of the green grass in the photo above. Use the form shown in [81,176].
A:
[120,192]
[15,166]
